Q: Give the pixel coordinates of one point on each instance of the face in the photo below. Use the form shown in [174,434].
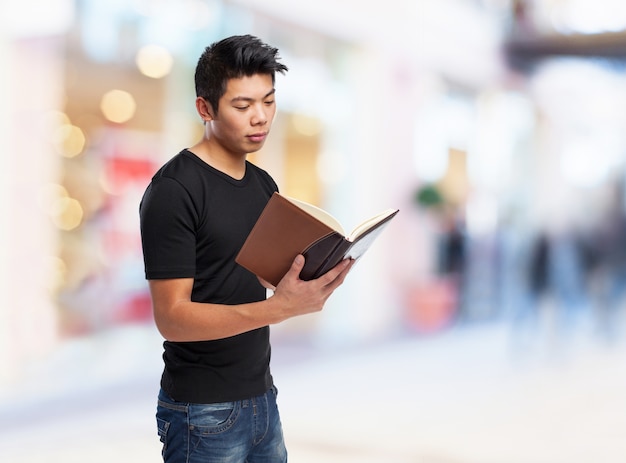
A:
[245,115]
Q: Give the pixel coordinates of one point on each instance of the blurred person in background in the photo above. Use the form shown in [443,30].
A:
[217,400]
[606,248]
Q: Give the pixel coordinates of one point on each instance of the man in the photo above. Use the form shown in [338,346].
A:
[218,401]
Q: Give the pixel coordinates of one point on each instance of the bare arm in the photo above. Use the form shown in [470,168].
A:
[180,319]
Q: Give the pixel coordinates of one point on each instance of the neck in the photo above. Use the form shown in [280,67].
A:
[231,164]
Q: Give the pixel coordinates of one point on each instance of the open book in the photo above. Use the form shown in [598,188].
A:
[288,227]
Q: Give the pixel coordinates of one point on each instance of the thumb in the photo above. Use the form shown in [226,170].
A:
[297,265]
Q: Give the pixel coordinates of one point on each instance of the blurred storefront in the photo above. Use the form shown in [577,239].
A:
[415,105]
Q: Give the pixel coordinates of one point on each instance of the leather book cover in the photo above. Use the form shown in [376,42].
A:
[282,231]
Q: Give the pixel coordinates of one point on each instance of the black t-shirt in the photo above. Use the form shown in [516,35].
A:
[194,220]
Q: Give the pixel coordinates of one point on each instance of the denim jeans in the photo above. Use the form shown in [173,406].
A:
[245,431]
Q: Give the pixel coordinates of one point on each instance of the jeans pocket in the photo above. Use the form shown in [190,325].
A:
[212,418]
[162,428]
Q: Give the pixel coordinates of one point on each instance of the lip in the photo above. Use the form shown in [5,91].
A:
[257,137]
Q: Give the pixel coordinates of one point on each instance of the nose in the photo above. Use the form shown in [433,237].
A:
[260,116]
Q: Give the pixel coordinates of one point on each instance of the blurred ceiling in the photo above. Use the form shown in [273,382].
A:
[458,37]
[524,52]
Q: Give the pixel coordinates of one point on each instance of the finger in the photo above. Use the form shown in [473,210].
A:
[344,273]
[337,273]
[296,265]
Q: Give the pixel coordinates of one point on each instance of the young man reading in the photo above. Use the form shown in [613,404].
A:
[217,401]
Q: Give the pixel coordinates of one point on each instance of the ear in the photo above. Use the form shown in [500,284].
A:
[204,109]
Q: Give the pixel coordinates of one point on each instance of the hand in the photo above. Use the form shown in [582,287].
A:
[294,296]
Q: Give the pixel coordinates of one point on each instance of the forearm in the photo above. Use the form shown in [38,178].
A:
[194,321]
[179,319]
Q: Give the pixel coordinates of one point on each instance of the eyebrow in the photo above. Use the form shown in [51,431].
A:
[248,99]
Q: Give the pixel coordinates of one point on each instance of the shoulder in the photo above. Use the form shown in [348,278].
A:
[169,186]
[178,167]
[184,172]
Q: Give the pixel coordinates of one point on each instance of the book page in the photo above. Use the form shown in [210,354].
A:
[359,248]
[319,214]
[364,226]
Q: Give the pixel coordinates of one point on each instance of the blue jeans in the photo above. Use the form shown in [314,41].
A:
[245,431]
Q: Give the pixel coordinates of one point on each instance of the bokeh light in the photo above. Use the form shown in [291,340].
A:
[69,140]
[306,125]
[66,213]
[154,61]
[118,106]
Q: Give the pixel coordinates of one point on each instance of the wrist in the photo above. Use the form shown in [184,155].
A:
[275,309]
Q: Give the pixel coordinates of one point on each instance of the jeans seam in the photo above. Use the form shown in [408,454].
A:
[178,408]
[188,452]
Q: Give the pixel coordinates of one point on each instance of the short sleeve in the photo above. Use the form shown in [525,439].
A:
[168,222]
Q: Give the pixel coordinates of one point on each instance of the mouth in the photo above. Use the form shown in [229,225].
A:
[257,137]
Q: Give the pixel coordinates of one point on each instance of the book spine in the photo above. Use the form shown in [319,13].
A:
[318,253]
[333,258]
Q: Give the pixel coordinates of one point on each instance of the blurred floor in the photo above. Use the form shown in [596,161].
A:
[469,395]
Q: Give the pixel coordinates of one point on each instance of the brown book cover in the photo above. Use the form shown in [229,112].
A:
[288,227]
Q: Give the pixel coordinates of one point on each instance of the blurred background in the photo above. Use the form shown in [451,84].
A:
[485,325]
